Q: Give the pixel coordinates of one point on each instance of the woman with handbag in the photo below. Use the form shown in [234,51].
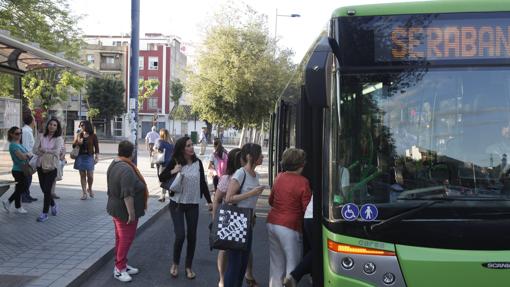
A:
[20,157]
[162,155]
[184,204]
[88,156]
[48,150]
[243,190]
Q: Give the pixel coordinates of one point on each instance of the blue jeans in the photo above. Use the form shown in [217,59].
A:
[236,266]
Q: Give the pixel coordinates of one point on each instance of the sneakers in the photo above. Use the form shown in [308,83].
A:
[7,205]
[289,281]
[43,217]
[21,210]
[54,210]
[121,276]
[131,270]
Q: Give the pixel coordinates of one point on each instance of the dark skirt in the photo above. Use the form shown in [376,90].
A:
[84,162]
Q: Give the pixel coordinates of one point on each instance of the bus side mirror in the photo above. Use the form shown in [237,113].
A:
[316,78]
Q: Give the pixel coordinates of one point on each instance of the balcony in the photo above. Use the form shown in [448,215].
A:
[116,66]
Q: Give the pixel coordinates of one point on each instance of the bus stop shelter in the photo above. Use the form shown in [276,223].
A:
[17,58]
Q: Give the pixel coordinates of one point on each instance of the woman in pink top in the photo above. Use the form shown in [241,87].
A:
[289,197]
[48,150]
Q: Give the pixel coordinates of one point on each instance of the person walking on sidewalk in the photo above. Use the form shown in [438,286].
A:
[203,140]
[218,162]
[127,202]
[150,141]
[289,198]
[184,205]
[20,157]
[164,144]
[48,150]
[88,156]
[27,140]
[243,190]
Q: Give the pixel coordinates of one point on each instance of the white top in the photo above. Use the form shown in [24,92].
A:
[250,183]
[309,209]
[27,137]
[152,137]
[191,185]
[203,137]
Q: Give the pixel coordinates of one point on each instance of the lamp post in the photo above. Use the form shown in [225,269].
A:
[276,21]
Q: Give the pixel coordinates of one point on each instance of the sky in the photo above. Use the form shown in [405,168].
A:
[186,19]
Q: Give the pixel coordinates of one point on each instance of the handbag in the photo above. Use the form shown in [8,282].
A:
[48,162]
[27,169]
[158,157]
[232,227]
[174,184]
[75,152]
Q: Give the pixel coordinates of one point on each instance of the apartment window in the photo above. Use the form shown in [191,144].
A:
[91,58]
[140,63]
[109,60]
[153,103]
[153,63]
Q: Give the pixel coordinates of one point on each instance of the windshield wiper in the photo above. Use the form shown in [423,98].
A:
[403,215]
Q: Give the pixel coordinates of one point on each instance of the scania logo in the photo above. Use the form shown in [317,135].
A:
[497,265]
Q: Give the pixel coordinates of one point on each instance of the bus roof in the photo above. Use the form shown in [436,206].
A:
[423,7]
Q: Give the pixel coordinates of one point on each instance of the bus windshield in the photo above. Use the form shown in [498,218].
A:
[423,135]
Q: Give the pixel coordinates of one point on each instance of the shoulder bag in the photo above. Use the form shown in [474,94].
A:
[232,226]
[158,156]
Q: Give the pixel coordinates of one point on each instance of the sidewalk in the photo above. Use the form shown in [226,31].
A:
[66,248]
[56,252]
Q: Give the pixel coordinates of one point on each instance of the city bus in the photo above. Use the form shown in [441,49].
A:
[404,112]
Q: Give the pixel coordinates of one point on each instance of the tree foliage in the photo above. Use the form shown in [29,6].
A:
[105,99]
[146,88]
[176,89]
[240,71]
[47,22]
[45,88]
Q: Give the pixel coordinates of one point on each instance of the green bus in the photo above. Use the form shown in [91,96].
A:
[404,112]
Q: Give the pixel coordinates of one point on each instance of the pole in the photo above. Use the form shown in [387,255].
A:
[133,76]
[275,25]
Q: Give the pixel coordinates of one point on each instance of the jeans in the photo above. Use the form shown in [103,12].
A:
[305,266]
[46,180]
[124,236]
[21,186]
[285,250]
[179,213]
[237,261]
[26,194]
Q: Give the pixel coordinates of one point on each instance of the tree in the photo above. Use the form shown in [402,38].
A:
[176,89]
[47,22]
[146,88]
[105,99]
[45,88]
[240,71]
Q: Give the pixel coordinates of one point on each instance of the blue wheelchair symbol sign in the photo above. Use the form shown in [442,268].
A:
[350,211]
[369,212]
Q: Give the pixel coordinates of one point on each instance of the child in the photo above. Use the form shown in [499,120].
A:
[289,198]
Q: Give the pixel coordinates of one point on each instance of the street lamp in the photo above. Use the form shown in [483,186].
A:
[276,21]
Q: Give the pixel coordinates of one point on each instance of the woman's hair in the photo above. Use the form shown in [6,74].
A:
[178,154]
[87,126]
[219,150]
[234,161]
[126,149]
[58,132]
[164,135]
[293,159]
[253,150]
[10,133]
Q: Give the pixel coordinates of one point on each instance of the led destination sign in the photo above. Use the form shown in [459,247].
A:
[479,39]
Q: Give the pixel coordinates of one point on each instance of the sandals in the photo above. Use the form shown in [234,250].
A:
[83,196]
[91,194]
[251,282]
[190,274]
[174,271]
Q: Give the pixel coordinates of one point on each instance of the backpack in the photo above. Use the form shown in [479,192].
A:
[222,164]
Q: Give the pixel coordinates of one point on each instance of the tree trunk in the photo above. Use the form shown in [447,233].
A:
[241,139]
[209,131]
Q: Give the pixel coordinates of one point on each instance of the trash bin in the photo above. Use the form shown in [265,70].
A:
[194,137]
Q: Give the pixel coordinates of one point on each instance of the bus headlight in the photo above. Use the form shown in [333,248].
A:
[369,268]
[347,263]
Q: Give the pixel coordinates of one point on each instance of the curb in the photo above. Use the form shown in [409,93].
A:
[78,281]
